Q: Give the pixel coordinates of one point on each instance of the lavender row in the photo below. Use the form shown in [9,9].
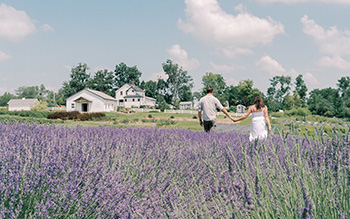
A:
[89,172]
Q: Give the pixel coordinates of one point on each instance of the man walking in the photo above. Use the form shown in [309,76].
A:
[207,106]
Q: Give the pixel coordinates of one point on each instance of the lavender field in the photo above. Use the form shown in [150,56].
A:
[102,172]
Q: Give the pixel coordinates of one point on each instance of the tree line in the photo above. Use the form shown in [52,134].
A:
[282,94]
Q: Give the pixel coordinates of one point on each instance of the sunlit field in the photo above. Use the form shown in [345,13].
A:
[107,172]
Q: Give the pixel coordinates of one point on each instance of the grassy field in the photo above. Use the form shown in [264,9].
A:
[310,126]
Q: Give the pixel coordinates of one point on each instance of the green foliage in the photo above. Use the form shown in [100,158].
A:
[78,80]
[5,98]
[102,81]
[150,116]
[41,106]
[4,119]
[324,102]
[125,74]
[179,81]
[298,112]
[165,122]
[172,117]
[75,115]
[194,117]
[217,82]
[23,113]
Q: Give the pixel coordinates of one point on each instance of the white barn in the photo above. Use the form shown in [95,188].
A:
[22,104]
[89,100]
[130,95]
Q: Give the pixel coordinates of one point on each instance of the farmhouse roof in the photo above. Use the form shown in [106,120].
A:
[136,88]
[100,94]
[22,102]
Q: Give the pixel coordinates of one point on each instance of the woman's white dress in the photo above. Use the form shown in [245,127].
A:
[258,129]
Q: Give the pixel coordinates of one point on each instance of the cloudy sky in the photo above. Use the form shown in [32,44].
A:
[40,41]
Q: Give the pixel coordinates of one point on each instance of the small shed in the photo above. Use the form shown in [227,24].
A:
[22,104]
[240,108]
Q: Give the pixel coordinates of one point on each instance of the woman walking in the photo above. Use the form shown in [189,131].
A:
[260,117]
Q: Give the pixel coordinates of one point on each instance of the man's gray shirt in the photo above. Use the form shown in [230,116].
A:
[208,105]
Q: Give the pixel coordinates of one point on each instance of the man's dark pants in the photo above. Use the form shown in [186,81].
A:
[209,125]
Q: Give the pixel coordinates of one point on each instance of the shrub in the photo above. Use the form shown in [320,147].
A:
[150,116]
[194,117]
[74,115]
[298,112]
[172,117]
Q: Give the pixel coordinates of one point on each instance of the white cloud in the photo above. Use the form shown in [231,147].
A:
[46,27]
[311,79]
[209,23]
[345,2]
[180,57]
[158,75]
[266,63]
[332,41]
[334,62]
[14,24]
[4,56]
[221,68]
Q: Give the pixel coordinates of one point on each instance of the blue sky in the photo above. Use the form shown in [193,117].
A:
[40,41]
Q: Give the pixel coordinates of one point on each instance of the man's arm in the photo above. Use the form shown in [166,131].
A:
[200,118]
[226,113]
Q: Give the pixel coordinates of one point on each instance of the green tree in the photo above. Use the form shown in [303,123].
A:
[150,88]
[102,81]
[125,74]
[177,79]
[300,89]
[78,80]
[344,92]
[5,98]
[217,82]
[185,93]
[280,87]
[232,96]
[164,91]
[246,93]
[324,102]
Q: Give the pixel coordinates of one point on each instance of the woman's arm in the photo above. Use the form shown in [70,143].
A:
[244,116]
[267,117]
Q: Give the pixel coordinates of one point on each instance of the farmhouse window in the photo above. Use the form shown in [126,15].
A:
[138,100]
[73,105]
[126,100]
[133,100]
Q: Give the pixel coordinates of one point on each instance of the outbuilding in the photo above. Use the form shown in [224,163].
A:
[89,100]
[22,104]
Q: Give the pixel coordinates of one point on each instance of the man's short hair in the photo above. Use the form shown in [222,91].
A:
[210,90]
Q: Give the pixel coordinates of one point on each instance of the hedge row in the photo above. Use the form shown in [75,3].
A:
[4,119]
[75,115]
[23,113]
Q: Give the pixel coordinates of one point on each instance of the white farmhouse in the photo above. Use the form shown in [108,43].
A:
[130,95]
[89,100]
[185,105]
[22,104]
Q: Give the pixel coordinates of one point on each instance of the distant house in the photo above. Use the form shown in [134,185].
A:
[89,100]
[22,104]
[130,95]
[185,105]
[240,108]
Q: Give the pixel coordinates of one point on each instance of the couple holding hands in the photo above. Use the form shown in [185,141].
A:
[208,105]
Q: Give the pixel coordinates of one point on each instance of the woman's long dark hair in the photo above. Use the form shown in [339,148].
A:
[259,102]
